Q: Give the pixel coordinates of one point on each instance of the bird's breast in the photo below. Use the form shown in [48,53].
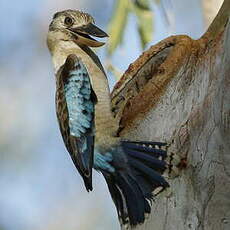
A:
[105,124]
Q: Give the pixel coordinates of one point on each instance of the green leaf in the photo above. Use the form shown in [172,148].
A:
[145,23]
[142,4]
[117,24]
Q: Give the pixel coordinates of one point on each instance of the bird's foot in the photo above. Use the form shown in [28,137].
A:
[175,162]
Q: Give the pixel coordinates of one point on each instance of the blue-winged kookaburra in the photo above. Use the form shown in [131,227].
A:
[132,170]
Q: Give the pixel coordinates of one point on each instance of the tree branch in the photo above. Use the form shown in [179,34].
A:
[146,80]
[219,23]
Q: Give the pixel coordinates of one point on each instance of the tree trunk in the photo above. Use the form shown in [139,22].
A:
[178,91]
[210,9]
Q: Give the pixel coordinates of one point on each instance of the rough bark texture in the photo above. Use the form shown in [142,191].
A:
[179,91]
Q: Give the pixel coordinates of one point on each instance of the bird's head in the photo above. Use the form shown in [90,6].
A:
[74,26]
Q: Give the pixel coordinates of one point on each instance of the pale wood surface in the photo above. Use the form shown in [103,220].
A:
[179,92]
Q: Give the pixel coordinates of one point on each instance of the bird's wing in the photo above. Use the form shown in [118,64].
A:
[75,101]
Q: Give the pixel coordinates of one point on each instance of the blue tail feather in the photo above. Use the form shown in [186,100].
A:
[116,194]
[134,198]
[148,172]
[135,178]
[146,149]
[152,143]
[151,161]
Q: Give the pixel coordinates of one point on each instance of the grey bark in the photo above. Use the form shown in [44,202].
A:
[179,92]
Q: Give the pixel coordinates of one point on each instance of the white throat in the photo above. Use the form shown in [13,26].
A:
[62,50]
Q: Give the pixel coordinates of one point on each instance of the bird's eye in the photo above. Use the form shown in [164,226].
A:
[68,21]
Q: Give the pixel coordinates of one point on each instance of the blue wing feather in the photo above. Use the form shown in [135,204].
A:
[78,130]
[78,97]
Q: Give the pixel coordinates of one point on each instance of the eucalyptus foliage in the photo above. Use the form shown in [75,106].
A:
[144,15]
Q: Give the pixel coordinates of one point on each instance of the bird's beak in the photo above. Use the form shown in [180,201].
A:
[83,35]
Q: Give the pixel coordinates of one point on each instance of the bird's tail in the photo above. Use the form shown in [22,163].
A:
[132,187]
